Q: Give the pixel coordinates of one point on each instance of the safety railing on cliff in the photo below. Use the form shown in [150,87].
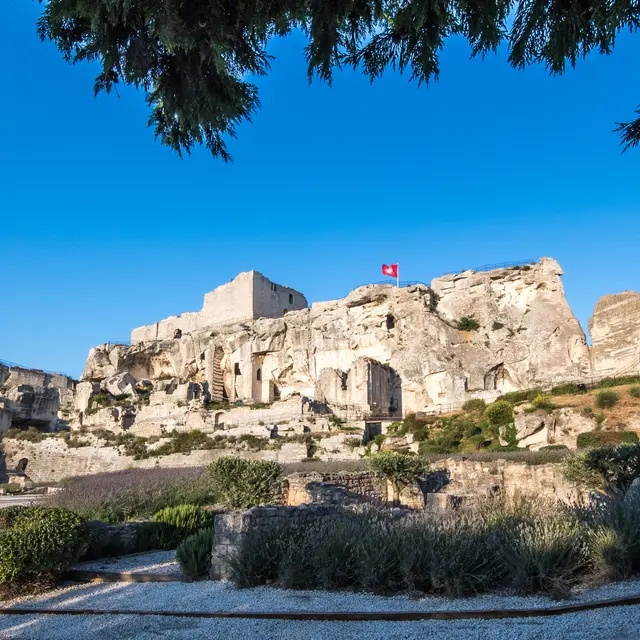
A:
[15,365]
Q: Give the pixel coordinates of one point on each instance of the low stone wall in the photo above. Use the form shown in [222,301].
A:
[229,529]
[346,489]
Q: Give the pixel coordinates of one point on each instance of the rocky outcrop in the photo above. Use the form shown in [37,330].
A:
[615,334]
[29,397]
[382,350]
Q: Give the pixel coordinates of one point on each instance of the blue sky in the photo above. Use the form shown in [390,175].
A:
[103,229]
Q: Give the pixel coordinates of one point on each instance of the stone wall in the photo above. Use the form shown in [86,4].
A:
[229,529]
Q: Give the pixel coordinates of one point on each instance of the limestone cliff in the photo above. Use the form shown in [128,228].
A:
[382,350]
[615,334]
[29,397]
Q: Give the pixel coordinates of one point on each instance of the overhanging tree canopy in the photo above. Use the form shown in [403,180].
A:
[192,57]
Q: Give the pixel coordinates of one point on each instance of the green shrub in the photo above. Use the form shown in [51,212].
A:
[37,540]
[468,324]
[354,443]
[401,469]
[241,484]
[515,397]
[475,404]
[576,469]
[194,554]
[634,392]
[379,439]
[542,401]
[185,520]
[554,447]
[616,382]
[499,412]
[601,438]
[618,465]
[568,388]
[606,399]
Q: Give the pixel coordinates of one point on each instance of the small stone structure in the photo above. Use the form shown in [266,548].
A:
[229,529]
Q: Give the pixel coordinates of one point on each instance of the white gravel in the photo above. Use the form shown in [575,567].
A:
[163,562]
[619,623]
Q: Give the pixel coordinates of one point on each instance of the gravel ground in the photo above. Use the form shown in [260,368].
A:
[616,623]
[157,562]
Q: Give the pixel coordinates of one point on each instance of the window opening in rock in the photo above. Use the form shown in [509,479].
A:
[22,464]
[259,375]
[273,287]
[344,377]
[391,322]
[177,333]
[291,298]
[236,369]
[202,356]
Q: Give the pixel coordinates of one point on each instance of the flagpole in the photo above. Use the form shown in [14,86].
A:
[398,276]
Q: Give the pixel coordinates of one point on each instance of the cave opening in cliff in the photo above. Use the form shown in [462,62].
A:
[391,322]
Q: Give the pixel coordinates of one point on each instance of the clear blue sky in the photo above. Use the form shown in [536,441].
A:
[103,229]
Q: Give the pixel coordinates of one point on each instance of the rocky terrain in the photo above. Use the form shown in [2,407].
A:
[260,373]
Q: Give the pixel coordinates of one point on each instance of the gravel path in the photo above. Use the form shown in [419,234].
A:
[156,562]
[616,623]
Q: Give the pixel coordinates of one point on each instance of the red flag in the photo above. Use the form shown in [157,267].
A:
[390,270]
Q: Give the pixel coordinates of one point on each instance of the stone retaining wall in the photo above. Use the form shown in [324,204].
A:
[229,529]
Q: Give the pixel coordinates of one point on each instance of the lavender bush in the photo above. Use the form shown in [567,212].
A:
[135,493]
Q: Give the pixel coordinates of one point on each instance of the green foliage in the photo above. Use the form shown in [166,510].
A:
[31,434]
[194,554]
[606,399]
[184,442]
[601,438]
[605,383]
[568,388]
[334,421]
[526,545]
[516,397]
[542,401]
[576,469]
[600,418]
[184,520]
[499,412]
[241,484]
[260,405]
[354,443]
[468,324]
[401,469]
[379,439]
[36,540]
[194,61]
[475,404]
[510,434]
[634,392]
[618,465]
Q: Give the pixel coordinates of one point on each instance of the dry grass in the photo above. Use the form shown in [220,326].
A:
[624,415]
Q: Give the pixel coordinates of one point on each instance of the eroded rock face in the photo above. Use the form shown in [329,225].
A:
[615,334]
[382,349]
[29,397]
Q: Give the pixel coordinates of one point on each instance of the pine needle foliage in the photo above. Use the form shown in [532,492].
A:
[194,59]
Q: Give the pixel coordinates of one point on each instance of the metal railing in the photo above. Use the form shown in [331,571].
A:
[15,365]
[490,267]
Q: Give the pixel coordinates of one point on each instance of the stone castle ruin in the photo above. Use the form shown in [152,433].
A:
[257,360]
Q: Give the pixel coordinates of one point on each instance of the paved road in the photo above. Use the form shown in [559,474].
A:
[23,500]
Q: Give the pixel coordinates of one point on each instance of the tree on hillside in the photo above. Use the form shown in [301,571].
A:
[192,58]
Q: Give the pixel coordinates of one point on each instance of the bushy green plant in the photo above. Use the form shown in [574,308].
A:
[542,401]
[618,465]
[601,438]
[568,388]
[634,392]
[194,554]
[606,399]
[616,382]
[184,520]
[499,412]
[401,469]
[241,484]
[516,397]
[468,324]
[475,404]
[36,540]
